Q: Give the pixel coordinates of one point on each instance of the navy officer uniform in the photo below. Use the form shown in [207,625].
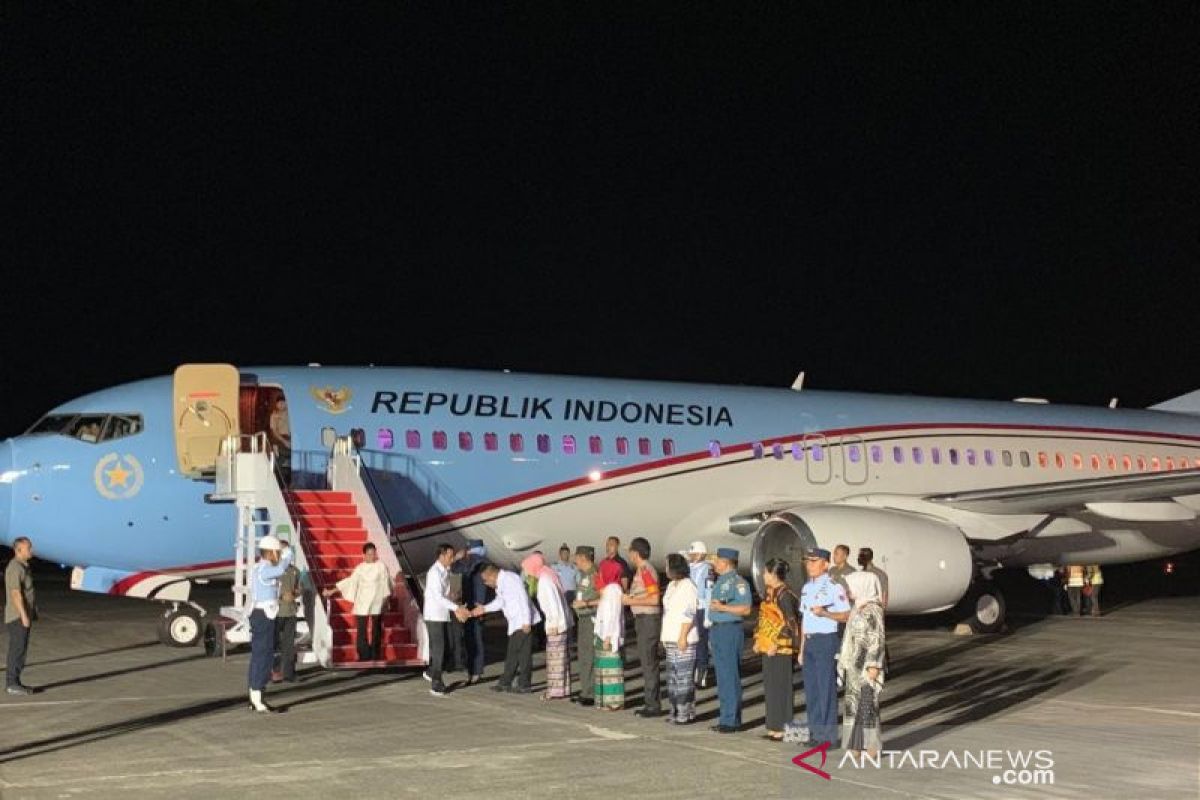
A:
[727,638]
[820,651]
[264,607]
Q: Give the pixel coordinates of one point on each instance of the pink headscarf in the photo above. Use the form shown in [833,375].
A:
[536,565]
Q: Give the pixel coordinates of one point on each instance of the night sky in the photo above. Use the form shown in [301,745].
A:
[922,199]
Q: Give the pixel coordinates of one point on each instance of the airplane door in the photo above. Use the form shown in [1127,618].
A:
[817,458]
[854,460]
[205,412]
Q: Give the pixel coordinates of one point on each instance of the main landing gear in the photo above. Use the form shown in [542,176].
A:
[983,609]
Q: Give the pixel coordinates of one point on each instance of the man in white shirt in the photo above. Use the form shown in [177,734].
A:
[513,599]
[437,611]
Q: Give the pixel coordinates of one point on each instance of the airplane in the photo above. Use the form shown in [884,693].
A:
[945,491]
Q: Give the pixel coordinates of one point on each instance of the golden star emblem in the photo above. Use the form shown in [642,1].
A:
[118,476]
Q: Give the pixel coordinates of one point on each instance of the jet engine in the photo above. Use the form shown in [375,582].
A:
[928,562]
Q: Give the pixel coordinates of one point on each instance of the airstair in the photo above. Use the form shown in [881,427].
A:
[327,529]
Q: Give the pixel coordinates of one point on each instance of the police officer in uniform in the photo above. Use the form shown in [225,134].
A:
[821,596]
[587,597]
[274,559]
[731,603]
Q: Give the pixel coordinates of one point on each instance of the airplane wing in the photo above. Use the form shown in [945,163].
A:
[1121,493]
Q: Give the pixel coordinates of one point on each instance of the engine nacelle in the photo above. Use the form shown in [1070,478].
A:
[928,562]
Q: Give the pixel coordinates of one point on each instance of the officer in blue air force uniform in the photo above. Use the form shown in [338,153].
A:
[821,596]
[273,561]
[731,603]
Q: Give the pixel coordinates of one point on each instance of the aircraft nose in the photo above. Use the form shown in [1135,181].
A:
[6,476]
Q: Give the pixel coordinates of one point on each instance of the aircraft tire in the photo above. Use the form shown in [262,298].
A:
[180,627]
[985,609]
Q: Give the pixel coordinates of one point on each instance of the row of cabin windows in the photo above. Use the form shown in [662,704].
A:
[971,457]
[543,443]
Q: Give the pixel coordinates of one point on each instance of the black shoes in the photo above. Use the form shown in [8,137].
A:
[647,713]
[723,729]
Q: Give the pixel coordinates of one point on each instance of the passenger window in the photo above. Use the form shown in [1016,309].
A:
[1025,461]
[818,453]
[516,442]
[623,446]
[758,450]
[876,454]
[954,456]
[568,444]
[797,451]
[918,456]
[1043,459]
[1077,461]
[1127,463]
[970,456]
[854,453]
[385,439]
[989,458]
[898,454]
[466,442]
[543,443]
[595,445]
[491,441]
[1006,458]
[1112,462]
[1095,463]
[644,446]
[935,455]
[1141,462]
[1170,462]
[439,440]
[412,439]
[776,450]
[1059,460]
[714,448]
[1155,464]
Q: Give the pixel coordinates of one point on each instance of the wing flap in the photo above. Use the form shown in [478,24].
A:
[1050,498]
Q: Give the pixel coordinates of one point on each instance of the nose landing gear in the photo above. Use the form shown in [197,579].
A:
[181,626]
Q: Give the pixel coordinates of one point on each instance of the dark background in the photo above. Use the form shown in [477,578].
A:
[958,199]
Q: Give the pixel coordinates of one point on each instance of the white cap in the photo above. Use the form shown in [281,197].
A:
[269,542]
[698,547]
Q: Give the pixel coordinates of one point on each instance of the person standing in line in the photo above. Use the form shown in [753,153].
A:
[701,574]
[866,562]
[612,552]
[279,431]
[861,665]
[437,610]
[679,640]
[1075,583]
[731,604]
[1095,579]
[841,565]
[474,594]
[273,561]
[19,613]
[567,573]
[285,623]
[587,598]
[820,599]
[368,587]
[558,625]
[609,689]
[777,640]
[513,599]
[645,600]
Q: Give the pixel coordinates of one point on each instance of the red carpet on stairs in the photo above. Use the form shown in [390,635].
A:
[333,536]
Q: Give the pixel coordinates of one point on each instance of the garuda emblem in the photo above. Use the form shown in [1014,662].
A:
[335,401]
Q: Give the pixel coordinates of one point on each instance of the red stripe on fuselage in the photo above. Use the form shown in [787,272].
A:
[633,469]
[123,586]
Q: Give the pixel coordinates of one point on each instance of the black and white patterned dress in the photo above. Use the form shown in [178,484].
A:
[862,647]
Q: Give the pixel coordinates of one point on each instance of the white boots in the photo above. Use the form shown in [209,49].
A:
[257,704]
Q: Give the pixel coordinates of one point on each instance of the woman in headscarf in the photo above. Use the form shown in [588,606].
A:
[553,602]
[610,629]
[861,664]
[777,640]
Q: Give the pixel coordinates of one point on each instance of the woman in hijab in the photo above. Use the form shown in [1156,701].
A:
[610,628]
[552,601]
[861,664]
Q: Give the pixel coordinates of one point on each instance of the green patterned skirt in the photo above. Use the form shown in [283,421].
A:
[609,680]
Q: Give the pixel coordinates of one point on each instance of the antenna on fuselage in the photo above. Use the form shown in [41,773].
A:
[798,384]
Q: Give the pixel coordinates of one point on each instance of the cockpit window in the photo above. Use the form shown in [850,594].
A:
[90,428]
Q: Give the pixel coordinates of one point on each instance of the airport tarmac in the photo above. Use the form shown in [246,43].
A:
[1114,701]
